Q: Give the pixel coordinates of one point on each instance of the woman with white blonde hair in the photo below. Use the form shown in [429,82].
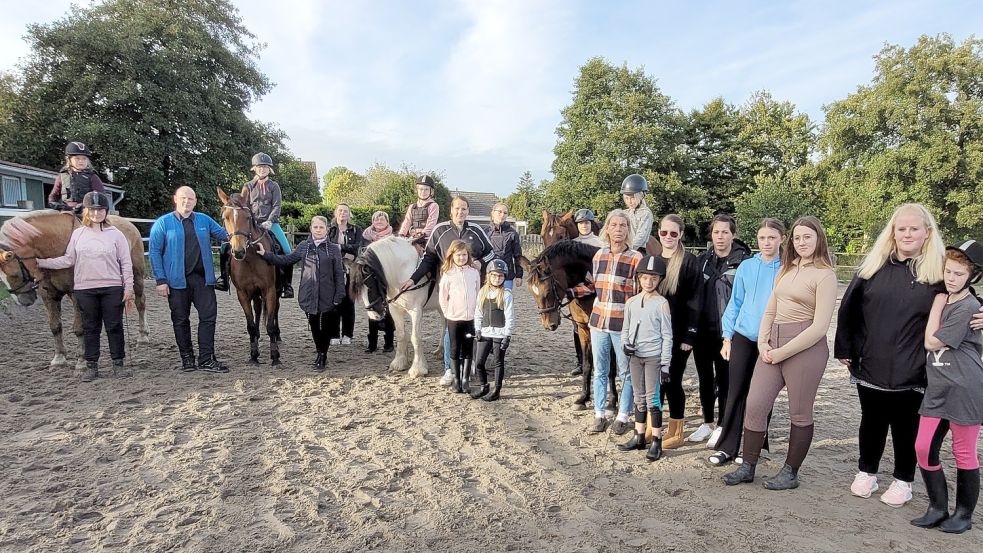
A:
[880,337]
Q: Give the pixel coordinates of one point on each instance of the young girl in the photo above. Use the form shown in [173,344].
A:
[646,338]
[633,190]
[458,297]
[954,396]
[75,180]
[494,319]
[587,226]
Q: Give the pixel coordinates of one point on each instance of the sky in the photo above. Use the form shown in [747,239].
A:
[474,89]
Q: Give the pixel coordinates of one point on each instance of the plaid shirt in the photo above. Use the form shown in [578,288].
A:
[614,283]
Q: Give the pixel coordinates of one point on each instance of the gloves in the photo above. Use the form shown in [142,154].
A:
[477,334]
[629,349]
[505,342]
[266,225]
[664,376]
[58,206]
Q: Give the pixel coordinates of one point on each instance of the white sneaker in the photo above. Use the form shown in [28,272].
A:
[335,341]
[714,437]
[865,484]
[447,378]
[897,494]
[346,341]
[702,433]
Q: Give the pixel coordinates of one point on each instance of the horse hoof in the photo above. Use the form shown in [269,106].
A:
[254,361]
[59,361]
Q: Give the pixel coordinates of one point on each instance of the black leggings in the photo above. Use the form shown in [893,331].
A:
[462,346]
[101,306]
[341,320]
[743,356]
[485,347]
[321,330]
[674,390]
[712,370]
[879,412]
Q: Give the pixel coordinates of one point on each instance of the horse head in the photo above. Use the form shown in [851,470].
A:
[19,279]
[367,283]
[556,270]
[239,222]
[557,227]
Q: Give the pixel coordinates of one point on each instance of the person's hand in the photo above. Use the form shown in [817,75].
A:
[766,354]
[685,347]
[664,375]
[128,303]
[725,350]
[163,290]
[476,264]
[260,249]
[517,282]
[406,285]
[505,342]
[266,225]
[976,323]
[844,362]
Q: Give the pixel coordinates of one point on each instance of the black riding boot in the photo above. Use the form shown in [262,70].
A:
[482,388]
[580,404]
[224,257]
[288,277]
[497,389]
[320,361]
[389,334]
[938,499]
[466,376]
[655,450]
[120,369]
[967,494]
[373,336]
[91,371]
[456,383]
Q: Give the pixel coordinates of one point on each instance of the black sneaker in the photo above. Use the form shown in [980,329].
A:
[188,364]
[212,365]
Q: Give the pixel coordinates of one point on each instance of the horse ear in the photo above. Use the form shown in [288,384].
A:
[524,263]
[568,215]
[222,195]
[244,195]
[6,256]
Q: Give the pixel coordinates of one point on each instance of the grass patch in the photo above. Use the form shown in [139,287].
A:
[4,294]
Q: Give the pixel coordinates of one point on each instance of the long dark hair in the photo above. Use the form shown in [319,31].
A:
[821,258]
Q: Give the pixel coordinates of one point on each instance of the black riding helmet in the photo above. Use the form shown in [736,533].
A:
[651,265]
[77,149]
[95,200]
[634,184]
[583,215]
[263,159]
[974,251]
[497,266]
[426,180]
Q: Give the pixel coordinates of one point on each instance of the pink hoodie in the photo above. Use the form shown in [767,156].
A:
[101,259]
[458,293]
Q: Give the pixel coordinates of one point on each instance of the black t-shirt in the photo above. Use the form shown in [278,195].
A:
[192,251]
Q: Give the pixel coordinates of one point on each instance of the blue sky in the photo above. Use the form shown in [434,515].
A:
[474,88]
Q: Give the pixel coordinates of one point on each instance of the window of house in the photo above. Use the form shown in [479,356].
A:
[13,189]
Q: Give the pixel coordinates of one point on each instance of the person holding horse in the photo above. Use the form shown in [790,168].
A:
[494,319]
[265,200]
[614,283]
[421,215]
[378,230]
[633,190]
[348,237]
[75,180]
[458,295]
[322,282]
[181,261]
[103,282]
[506,243]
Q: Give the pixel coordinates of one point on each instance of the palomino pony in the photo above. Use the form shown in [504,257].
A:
[375,278]
[548,277]
[253,277]
[45,233]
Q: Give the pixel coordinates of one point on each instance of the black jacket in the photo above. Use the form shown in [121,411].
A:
[684,305]
[508,247]
[880,327]
[322,274]
[353,239]
[445,233]
[715,287]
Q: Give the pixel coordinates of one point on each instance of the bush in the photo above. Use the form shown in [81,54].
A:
[299,215]
[772,198]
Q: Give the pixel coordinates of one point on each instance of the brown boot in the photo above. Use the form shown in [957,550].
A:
[673,437]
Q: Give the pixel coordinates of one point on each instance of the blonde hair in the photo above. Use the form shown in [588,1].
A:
[604,229]
[489,287]
[821,258]
[455,247]
[87,218]
[929,263]
[322,218]
[670,284]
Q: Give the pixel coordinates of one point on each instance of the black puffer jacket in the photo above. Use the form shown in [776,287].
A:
[716,285]
[508,247]
[322,274]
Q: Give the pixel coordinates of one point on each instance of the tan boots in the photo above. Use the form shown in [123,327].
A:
[673,437]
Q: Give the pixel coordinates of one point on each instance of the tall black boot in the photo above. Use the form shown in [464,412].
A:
[497,388]
[456,383]
[373,336]
[482,389]
[967,494]
[224,258]
[938,499]
[655,450]
[320,361]
[389,334]
[288,277]
[580,404]
[466,376]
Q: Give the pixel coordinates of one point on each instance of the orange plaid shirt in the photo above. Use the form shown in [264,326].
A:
[614,283]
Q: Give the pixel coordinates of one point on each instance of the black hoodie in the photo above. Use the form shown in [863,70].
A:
[716,285]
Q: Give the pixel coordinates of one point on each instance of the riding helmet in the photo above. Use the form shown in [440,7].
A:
[77,149]
[95,200]
[634,184]
[651,265]
[583,215]
[426,180]
[974,251]
[497,266]
[262,159]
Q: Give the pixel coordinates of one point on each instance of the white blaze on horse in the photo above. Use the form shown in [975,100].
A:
[375,279]
[46,233]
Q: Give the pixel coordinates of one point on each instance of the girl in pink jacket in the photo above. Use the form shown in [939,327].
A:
[458,295]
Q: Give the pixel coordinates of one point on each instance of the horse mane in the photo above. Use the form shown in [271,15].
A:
[567,249]
[27,231]
[396,258]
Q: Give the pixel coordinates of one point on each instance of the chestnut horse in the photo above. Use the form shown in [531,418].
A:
[45,233]
[253,277]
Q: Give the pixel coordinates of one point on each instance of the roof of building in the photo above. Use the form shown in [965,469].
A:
[312,167]
[480,204]
[36,171]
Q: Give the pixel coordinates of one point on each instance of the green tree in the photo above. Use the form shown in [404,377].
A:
[713,155]
[159,90]
[396,189]
[342,187]
[772,197]
[328,177]
[296,183]
[526,203]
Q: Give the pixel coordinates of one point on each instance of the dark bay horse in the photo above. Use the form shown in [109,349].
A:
[45,233]
[560,226]
[254,278]
[548,277]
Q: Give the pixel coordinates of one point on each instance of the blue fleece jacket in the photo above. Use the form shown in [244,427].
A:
[167,248]
[752,287]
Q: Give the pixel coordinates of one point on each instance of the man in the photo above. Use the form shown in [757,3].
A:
[506,243]
[421,215]
[181,261]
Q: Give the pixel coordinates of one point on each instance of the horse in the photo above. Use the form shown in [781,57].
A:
[45,233]
[557,226]
[375,279]
[254,278]
[548,277]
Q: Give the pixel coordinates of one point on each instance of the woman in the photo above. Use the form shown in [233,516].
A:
[794,352]
[880,335]
[633,190]
[322,282]
[753,284]
[349,238]
[75,180]
[680,288]
[379,229]
[103,282]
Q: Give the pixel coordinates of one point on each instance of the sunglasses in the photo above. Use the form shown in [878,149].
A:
[672,233]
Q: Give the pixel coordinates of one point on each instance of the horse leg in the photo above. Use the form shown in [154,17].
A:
[583,399]
[272,300]
[419,367]
[141,303]
[246,303]
[398,364]
[52,305]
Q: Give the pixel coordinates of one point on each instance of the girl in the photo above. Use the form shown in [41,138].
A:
[794,352]
[753,283]
[880,337]
[75,180]
[494,319]
[103,282]
[458,297]
[680,288]
[380,229]
[633,190]
[646,339]
[954,396]
[349,238]
[322,282]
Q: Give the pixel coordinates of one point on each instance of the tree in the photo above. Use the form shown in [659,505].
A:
[397,190]
[342,186]
[158,89]
[913,134]
[296,183]
[713,155]
[526,203]
[327,178]
[772,197]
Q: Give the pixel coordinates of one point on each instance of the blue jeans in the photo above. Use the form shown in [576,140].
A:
[447,349]
[508,285]
[278,233]
[601,341]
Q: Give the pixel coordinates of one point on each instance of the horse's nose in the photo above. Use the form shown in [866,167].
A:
[239,254]
[553,326]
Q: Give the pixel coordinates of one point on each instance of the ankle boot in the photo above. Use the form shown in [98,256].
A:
[967,494]
[120,369]
[320,361]
[91,371]
[479,392]
[674,435]
[637,442]
[741,475]
[222,282]
[938,499]
[497,389]
[655,450]
[188,362]
[786,479]
[456,383]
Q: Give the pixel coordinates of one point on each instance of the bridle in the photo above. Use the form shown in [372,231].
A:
[371,268]
[558,303]
[30,283]
[252,225]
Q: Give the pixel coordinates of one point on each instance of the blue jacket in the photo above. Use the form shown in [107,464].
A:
[167,248]
[752,287]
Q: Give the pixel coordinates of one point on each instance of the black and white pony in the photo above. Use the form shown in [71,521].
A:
[375,279]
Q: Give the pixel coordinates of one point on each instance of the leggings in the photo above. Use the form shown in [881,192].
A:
[712,370]
[341,319]
[320,330]
[879,412]
[674,390]
[278,233]
[99,307]
[743,355]
[645,379]
[931,432]
[462,339]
